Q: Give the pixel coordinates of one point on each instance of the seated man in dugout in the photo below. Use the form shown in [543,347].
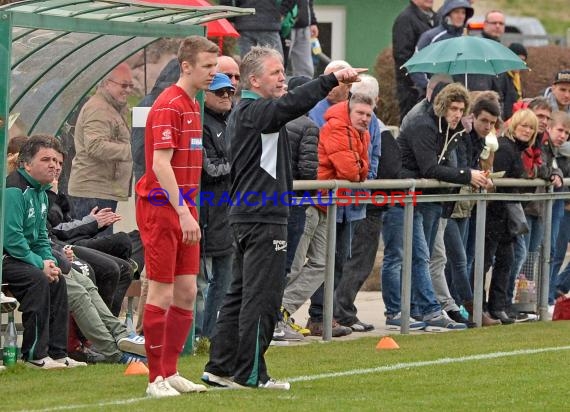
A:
[29,267]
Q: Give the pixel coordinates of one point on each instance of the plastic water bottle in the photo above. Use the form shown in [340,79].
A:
[316,50]
[316,46]
[129,324]
[10,342]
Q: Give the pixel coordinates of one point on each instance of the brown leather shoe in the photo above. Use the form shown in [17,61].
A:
[316,329]
[486,320]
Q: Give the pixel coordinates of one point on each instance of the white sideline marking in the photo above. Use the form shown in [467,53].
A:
[442,361]
[353,372]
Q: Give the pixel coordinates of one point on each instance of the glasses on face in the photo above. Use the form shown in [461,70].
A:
[124,86]
[223,92]
[233,76]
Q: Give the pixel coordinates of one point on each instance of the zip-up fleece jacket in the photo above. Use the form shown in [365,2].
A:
[25,230]
[259,151]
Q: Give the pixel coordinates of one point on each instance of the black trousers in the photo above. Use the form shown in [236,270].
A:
[113,276]
[249,312]
[499,253]
[43,306]
[117,244]
[357,269]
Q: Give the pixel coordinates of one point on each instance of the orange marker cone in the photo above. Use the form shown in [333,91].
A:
[136,368]
[387,343]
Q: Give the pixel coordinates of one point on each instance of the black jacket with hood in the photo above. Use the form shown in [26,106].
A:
[428,145]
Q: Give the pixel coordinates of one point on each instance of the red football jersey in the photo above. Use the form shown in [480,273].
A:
[174,123]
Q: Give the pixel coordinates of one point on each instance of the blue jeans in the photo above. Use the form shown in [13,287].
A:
[559,244]
[455,239]
[218,272]
[423,296]
[561,279]
[431,212]
[533,239]
[82,206]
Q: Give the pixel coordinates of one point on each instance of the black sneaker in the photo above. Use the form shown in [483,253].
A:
[87,355]
[456,316]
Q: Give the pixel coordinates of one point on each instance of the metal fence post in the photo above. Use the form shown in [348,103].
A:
[406,286]
[479,260]
[546,244]
[329,270]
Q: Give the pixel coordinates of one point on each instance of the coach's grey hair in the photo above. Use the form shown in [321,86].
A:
[252,63]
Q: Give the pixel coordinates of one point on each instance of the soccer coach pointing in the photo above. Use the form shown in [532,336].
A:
[260,162]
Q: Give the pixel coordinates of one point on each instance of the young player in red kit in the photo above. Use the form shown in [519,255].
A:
[167,216]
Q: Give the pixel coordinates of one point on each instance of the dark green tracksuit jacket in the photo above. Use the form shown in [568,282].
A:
[43,305]
[25,230]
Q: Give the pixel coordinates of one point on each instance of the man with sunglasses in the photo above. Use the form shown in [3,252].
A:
[102,168]
[217,248]
[228,66]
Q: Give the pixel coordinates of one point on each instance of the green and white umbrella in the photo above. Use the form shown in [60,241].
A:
[465,55]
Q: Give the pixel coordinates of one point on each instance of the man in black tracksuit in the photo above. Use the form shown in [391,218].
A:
[261,180]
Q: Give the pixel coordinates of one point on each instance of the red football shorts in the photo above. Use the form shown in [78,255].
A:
[165,255]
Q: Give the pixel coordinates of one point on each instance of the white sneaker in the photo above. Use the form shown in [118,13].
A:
[274,384]
[132,344]
[44,363]
[160,389]
[7,299]
[70,363]
[183,385]
[8,303]
[2,368]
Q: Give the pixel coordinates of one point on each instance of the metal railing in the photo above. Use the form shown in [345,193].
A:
[418,184]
